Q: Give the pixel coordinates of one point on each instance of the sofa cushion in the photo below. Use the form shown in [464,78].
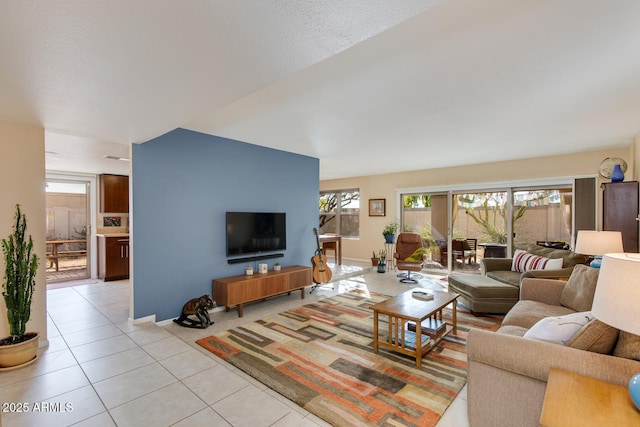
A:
[580,289]
[506,276]
[479,286]
[595,336]
[525,261]
[628,346]
[559,329]
[526,313]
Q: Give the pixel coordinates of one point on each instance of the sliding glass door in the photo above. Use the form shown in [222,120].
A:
[543,216]
[426,214]
[480,227]
[488,224]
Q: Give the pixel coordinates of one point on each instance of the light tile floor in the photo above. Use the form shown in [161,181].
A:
[100,370]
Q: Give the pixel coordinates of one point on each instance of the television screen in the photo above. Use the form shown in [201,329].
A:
[255,232]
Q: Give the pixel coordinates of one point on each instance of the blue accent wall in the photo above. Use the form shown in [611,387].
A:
[183,183]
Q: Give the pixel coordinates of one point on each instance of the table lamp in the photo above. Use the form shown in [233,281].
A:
[598,243]
[617,299]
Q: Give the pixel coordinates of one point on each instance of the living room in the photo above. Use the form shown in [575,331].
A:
[172,303]
[180,195]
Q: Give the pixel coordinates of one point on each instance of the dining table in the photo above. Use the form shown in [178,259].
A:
[334,242]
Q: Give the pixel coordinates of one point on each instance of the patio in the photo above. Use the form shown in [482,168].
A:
[68,269]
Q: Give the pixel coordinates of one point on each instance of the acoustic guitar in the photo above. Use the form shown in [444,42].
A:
[321,272]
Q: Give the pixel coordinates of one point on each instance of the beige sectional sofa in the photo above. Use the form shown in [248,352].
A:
[497,288]
[500,268]
[508,373]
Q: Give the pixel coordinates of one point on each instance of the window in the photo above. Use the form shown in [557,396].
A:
[340,213]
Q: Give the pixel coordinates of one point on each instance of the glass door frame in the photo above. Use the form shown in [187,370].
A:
[92,197]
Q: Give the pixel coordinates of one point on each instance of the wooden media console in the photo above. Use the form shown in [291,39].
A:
[238,290]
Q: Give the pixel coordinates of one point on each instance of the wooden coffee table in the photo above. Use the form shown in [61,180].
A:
[405,308]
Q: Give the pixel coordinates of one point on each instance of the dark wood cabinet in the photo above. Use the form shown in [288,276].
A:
[114,193]
[113,258]
[620,210]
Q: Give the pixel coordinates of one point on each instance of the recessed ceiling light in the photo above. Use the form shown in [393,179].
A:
[124,159]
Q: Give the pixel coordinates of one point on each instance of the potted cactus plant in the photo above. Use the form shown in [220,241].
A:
[374,259]
[21,265]
[382,265]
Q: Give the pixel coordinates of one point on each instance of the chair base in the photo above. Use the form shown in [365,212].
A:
[408,278]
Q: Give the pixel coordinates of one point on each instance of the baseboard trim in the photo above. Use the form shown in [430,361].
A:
[140,320]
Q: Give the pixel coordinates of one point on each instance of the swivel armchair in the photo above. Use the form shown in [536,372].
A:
[406,245]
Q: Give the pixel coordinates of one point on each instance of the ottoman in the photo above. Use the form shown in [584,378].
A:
[482,294]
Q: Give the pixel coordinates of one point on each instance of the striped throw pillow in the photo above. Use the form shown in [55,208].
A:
[524,261]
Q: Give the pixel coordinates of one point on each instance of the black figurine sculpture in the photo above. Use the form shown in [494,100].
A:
[196,307]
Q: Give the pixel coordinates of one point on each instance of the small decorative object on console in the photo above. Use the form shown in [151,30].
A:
[248,270]
[263,268]
[197,307]
[276,266]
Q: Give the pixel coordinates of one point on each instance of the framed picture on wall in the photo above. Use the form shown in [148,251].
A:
[377,207]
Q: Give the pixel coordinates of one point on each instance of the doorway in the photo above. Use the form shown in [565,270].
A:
[68,230]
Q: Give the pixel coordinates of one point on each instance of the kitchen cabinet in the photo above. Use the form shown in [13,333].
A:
[113,257]
[114,193]
[619,211]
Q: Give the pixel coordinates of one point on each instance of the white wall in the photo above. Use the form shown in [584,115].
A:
[22,180]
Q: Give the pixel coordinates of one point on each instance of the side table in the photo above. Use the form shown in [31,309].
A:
[575,400]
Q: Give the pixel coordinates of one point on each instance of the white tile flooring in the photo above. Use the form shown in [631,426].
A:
[103,371]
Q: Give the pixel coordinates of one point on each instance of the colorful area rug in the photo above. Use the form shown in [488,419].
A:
[321,357]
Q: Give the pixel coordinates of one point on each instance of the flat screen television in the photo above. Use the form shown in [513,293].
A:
[250,233]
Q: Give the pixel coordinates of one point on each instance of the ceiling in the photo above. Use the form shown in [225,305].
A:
[366,86]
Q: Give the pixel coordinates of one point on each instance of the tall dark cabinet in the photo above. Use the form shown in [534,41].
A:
[620,210]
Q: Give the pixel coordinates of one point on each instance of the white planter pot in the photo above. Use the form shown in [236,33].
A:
[16,355]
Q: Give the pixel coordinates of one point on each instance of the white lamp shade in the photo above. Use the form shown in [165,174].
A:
[598,243]
[617,296]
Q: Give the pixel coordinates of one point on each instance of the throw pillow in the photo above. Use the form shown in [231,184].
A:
[524,261]
[580,288]
[417,255]
[595,336]
[628,346]
[558,329]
